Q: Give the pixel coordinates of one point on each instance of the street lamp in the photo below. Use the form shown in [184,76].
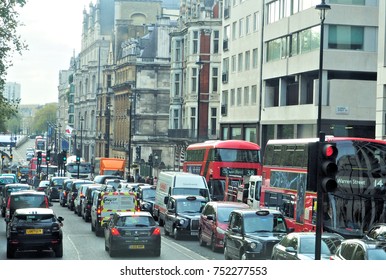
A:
[130,135]
[322,8]
[59,127]
[200,64]
[108,121]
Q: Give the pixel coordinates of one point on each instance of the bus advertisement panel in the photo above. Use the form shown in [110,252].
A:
[219,159]
[359,200]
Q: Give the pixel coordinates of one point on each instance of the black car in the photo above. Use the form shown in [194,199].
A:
[55,187]
[132,232]
[251,233]
[34,229]
[74,191]
[146,197]
[7,189]
[87,201]
[377,232]
[101,179]
[65,191]
[360,249]
[182,216]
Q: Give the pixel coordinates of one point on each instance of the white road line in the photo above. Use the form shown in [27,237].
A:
[73,245]
[183,250]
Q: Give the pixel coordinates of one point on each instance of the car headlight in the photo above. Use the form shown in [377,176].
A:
[181,222]
[220,230]
[256,246]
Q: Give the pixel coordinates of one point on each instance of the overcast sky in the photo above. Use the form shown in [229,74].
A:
[52,31]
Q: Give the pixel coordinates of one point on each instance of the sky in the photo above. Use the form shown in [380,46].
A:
[52,29]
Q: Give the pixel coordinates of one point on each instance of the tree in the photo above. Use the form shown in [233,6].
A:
[46,114]
[10,42]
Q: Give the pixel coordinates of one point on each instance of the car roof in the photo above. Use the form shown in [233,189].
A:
[309,234]
[129,213]
[229,204]
[17,185]
[26,211]
[255,212]
[29,192]
[184,197]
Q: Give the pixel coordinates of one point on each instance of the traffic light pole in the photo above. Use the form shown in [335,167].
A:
[319,203]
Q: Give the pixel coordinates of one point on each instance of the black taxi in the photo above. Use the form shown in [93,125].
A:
[182,216]
[251,233]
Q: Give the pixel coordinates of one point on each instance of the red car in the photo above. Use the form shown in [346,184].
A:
[214,221]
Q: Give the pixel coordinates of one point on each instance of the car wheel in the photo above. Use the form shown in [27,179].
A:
[79,213]
[86,218]
[112,253]
[59,251]
[10,252]
[213,244]
[243,256]
[226,256]
[166,232]
[3,212]
[176,234]
[99,231]
[200,241]
[106,247]
[161,222]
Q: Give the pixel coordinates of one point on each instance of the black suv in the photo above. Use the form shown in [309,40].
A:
[34,229]
[252,233]
[182,216]
[55,187]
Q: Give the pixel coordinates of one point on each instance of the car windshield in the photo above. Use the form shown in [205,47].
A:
[270,223]
[191,191]
[42,218]
[135,221]
[148,193]
[190,206]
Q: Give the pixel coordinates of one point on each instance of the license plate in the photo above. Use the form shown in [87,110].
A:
[34,231]
[194,233]
[137,247]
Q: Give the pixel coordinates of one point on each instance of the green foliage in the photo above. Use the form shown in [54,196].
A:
[46,113]
[10,43]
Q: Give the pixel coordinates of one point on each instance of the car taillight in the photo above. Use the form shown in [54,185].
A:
[46,202]
[115,232]
[98,211]
[156,231]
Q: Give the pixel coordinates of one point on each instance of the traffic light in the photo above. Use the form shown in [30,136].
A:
[327,166]
[138,153]
[48,155]
[64,156]
[11,157]
[77,156]
[39,157]
[2,157]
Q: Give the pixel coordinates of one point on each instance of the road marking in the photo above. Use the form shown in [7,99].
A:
[183,250]
[73,245]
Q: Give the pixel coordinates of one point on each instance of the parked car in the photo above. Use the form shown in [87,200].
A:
[182,215]
[132,232]
[25,199]
[7,189]
[87,202]
[146,197]
[251,234]
[34,229]
[214,221]
[301,246]
[377,232]
[360,249]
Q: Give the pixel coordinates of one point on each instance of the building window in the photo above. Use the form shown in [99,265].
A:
[345,37]
[194,80]
[213,121]
[233,64]
[176,84]
[239,92]
[247,60]
[232,97]
[254,58]
[250,134]
[248,25]
[195,42]
[175,118]
[236,133]
[193,119]
[254,95]
[246,96]
[214,79]
[234,30]
[255,21]
[178,51]
[240,63]
[241,27]
[216,38]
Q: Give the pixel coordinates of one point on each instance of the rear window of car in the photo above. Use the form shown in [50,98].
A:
[28,201]
[6,180]
[42,218]
[15,189]
[135,221]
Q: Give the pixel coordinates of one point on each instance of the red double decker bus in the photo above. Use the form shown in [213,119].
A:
[216,160]
[359,200]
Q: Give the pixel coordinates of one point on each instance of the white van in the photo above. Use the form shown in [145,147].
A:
[254,191]
[177,183]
